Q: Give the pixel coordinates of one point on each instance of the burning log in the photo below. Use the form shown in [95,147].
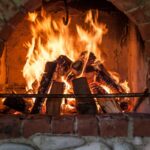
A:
[18,104]
[64,62]
[90,73]
[104,77]
[76,69]
[91,57]
[77,66]
[53,104]
[44,85]
[84,105]
[107,105]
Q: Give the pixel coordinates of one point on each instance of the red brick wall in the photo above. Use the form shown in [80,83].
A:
[110,125]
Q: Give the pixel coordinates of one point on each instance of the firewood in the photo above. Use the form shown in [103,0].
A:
[77,66]
[105,78]
[53,104]
[18,104]
[84,105]
[44,85]
[108,105]
[74,71]
[89,68]
[91,56]
[64,62]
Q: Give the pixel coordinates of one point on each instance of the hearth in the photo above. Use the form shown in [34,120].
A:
[73,68]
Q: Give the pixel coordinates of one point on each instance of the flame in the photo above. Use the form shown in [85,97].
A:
[32,16]
[107,89]
[92,37]
[125,86]
[51,38]
[115,76]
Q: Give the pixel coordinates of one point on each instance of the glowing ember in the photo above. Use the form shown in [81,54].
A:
[51,39]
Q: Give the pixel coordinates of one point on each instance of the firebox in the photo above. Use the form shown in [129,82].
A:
[72,48]
[81,67]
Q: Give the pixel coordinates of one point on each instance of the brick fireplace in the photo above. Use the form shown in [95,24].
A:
[97,131]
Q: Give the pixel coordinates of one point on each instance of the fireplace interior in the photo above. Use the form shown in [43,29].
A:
[73,48]
[74,74]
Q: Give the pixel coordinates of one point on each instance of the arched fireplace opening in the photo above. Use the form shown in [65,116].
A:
[91,120]
[122,48]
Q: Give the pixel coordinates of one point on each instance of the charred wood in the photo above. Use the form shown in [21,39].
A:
[18,104]
[89,68]
[84,105]
[104,77]
[75,70]
[107,105]
[53,104]
[91,57]
[77,65]
[64,62]
[44,85]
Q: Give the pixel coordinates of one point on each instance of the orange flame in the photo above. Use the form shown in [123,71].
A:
[51,38]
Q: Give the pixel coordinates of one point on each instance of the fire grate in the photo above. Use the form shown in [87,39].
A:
[118,95]
[19,103]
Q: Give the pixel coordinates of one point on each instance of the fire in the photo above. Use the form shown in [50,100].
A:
[125,86]
[51,39]
[32,16]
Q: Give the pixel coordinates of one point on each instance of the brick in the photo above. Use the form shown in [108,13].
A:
[2,23]
[141,127]
[113,126]
[87,125]
[63,125]
[8,9]
[135,115]
[126,4]
[20,2]
[35,124]
[31,6]
[140,14]
[147,48]
[9,127]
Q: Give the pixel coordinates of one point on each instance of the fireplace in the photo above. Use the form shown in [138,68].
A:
[97,50]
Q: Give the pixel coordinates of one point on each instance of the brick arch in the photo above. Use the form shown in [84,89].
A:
[12,11]
[137,11]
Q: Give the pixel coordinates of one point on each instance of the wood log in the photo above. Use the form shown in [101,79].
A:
[64,64]
[84,105]
[105,78]
[108,105]
[77,66]
[50,68]
[18,104]
[91,57]
[53,104]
